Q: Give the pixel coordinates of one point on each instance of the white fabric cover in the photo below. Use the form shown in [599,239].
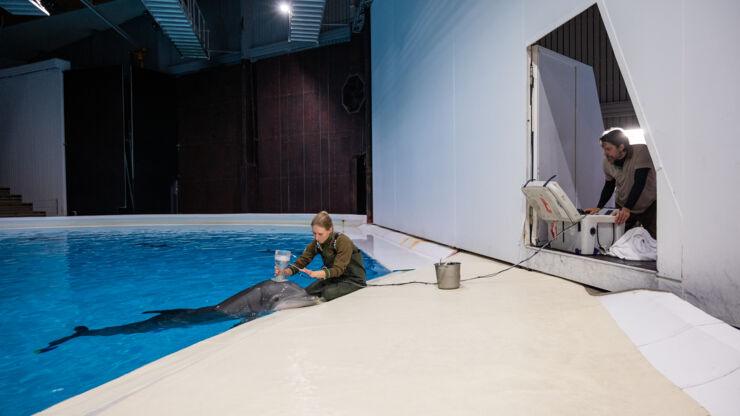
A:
[635,244]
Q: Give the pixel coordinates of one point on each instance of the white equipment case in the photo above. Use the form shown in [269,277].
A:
[584,234]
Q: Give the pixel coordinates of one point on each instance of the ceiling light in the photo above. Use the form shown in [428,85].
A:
[38,5]
[636,136]
[284,8]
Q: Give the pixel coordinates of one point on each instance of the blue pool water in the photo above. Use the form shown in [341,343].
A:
[55,279]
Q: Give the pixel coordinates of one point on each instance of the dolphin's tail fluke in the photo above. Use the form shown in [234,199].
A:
[79,331]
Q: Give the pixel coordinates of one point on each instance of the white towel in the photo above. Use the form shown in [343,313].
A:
[635,244]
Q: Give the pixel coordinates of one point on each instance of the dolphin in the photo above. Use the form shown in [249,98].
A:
[250,303]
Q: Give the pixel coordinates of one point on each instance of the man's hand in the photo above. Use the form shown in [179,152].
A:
[591,211]
[622,216]
[316,274]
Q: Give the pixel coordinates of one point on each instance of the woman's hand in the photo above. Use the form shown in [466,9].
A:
[316,274]
[284,272]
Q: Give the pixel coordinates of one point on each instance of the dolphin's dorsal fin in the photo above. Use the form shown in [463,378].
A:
[168,311]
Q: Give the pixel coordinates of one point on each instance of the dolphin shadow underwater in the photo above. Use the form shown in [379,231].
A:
[250,303]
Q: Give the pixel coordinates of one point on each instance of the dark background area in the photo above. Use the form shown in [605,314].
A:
[94,130]
[268,136]
[121,141]
[151,131]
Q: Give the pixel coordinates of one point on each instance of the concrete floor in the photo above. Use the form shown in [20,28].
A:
[520,343]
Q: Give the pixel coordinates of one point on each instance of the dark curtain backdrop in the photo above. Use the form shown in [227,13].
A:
[120,141]
[94,140]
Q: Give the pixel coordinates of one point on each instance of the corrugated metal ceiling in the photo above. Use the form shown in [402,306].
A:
[245,29]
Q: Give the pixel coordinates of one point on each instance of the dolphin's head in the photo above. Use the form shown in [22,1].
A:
[266,296]
[288,295]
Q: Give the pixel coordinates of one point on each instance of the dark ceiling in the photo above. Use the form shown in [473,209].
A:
[235,26]
[54,7]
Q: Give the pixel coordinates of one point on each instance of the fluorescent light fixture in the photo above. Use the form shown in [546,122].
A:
[636,136]
[38,5]
[284,8]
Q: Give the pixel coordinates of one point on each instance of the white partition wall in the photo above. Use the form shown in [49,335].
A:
[567,125]
[450,125]
[691,132]
[444,165]
[32,134]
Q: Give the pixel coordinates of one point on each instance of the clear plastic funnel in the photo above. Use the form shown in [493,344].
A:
[282,261]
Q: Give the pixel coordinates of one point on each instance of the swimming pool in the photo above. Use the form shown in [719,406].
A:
[56,279]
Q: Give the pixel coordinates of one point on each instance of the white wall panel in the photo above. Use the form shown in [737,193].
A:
[567,126]
[555,131]
[590,126]
[490,168]
[644,60]
[712,58]
[32,134]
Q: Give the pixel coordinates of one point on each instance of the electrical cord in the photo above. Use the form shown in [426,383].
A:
[602,250]
[539,249]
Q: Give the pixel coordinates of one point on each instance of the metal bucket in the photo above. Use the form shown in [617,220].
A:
[448,275]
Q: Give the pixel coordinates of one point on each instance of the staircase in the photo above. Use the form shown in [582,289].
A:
[183,22]
[13,206]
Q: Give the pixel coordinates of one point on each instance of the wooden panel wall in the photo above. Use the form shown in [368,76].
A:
[273,136]
[214,131]
[308,143]
[155,140]
[584,39]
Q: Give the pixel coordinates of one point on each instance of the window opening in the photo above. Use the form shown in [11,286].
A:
[576,92]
